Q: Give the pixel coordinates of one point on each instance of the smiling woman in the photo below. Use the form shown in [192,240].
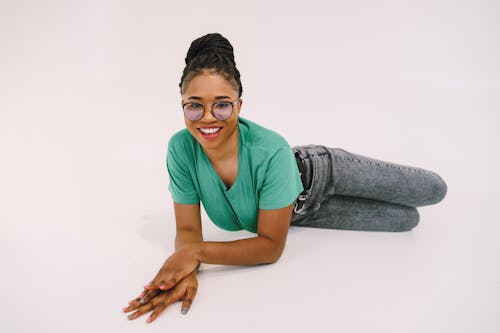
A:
[248,177]
[216,130]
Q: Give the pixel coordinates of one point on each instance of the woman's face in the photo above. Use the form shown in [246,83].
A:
[207,89]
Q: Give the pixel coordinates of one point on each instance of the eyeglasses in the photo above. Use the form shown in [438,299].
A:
[220,110]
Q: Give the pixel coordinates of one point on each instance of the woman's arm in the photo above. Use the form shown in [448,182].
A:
[267,247]
[188,225]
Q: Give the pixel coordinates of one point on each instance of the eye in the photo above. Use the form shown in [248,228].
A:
[194,106]
[222,105]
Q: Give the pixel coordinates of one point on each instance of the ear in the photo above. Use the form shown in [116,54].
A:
[241,104]
[239,107]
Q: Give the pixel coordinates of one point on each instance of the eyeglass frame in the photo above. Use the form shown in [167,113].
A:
[211,109]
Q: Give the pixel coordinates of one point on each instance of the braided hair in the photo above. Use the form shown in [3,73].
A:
[211,52]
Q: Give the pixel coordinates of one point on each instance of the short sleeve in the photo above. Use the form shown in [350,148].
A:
[282,183]
[181,184]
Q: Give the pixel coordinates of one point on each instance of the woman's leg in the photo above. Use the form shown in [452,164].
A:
[350,191]
[334,171]
[349,213]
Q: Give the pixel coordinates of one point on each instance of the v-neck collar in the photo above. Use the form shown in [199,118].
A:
[216,175]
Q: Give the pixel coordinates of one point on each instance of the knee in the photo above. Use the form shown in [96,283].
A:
[431,190]
[411,220]
[439,189]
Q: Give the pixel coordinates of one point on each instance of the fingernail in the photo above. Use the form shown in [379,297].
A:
[184,310]
[148,320]
[143,300]
[142,294]
[130,316]
[125,308]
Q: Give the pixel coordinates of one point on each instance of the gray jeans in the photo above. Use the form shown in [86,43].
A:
[347,191]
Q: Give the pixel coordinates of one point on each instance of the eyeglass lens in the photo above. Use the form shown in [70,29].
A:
[221,110]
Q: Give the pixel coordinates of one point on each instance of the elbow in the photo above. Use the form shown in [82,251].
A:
[276,254]
[274,259]
[274,249]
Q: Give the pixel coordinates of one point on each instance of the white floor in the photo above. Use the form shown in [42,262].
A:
[88,101]
[73,268]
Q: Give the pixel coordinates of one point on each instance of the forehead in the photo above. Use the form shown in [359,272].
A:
[208,85]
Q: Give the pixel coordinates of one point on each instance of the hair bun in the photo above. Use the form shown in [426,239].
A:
[210,43]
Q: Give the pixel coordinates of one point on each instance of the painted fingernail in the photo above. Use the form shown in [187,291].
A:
[130,316]
[184,310]
[149,319]
[143,300]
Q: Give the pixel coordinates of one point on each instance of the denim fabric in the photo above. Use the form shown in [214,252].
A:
[348,191]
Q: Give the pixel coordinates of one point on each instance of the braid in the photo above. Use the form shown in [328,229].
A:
[212,52]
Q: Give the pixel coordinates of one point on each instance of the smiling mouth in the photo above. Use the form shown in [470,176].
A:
[210,133]
[210,130]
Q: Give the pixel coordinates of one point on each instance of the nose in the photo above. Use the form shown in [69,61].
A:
[207,115]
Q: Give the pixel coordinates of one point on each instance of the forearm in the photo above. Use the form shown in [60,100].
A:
[187,237]
[249,251]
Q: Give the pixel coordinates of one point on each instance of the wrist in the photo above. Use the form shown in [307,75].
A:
[196,250]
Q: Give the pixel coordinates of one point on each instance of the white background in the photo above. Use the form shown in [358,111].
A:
[89,99]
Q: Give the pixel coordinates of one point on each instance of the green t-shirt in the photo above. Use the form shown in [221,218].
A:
[268,176]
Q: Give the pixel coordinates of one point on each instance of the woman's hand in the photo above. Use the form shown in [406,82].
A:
[157,299]
[176,267]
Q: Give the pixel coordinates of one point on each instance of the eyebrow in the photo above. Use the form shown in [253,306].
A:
[216,97]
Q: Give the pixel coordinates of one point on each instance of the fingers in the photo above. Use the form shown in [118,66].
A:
[156,282]
[142,310]
[163,284]
[157,304]
[188,299]
[157,299]
[139,301]
[152,284]
[159,309]
[148,296]
[138,297]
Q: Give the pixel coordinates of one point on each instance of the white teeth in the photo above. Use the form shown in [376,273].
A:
[210,130]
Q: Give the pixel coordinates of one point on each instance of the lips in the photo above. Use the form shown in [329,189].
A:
[210,132]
